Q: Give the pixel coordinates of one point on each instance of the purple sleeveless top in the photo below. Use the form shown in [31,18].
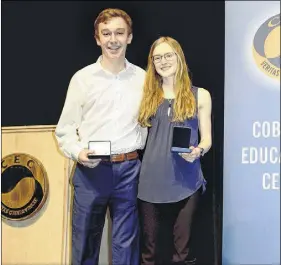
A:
[165,176]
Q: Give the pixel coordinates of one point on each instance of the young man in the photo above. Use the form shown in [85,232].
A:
[102,104]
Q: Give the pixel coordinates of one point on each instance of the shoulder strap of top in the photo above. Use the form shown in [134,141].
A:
[194,90]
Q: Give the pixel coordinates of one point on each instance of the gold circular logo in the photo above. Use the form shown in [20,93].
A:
[24,186]
[266,47]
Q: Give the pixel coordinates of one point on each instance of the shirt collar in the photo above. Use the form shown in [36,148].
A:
[98,68]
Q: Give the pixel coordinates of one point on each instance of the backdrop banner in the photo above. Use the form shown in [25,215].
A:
[251,189]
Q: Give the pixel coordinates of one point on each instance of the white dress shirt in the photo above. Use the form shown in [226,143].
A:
[101,106]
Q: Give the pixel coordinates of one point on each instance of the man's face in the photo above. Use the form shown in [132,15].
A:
[114,38]
[165,60]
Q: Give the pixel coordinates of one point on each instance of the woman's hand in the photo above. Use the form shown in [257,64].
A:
[193,155]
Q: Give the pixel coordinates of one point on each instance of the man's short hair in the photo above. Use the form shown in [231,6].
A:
[110,13]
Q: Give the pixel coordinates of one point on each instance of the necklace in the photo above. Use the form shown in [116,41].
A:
[170,104]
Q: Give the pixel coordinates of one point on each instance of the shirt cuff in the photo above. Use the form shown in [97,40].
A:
[75,151]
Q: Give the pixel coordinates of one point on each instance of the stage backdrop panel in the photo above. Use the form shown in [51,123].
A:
[251,200]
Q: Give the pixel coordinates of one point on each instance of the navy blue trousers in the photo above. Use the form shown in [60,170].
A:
[113,186]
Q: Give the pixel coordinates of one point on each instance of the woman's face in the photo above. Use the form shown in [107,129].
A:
[165,60]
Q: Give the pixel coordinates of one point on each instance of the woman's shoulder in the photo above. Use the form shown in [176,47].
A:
[204,95]
[199,89]
[200,92]
[203,91]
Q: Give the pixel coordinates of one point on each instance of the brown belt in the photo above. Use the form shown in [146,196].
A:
[123,157]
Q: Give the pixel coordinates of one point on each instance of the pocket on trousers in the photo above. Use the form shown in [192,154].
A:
[76,175]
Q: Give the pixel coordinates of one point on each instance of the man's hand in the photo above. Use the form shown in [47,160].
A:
[85,161]
[193,155]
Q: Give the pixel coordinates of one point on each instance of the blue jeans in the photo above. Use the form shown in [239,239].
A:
[112,185]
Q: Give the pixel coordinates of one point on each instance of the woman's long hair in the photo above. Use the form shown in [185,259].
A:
[185,105]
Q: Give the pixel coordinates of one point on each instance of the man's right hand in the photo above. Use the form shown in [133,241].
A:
[85,161]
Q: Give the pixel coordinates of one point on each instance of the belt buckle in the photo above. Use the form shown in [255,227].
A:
[117,158]
[120,157]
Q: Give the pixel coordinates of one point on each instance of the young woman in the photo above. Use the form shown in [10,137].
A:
[170,183]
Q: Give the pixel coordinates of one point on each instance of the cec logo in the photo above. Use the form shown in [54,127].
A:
[266,47]
[24,186]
